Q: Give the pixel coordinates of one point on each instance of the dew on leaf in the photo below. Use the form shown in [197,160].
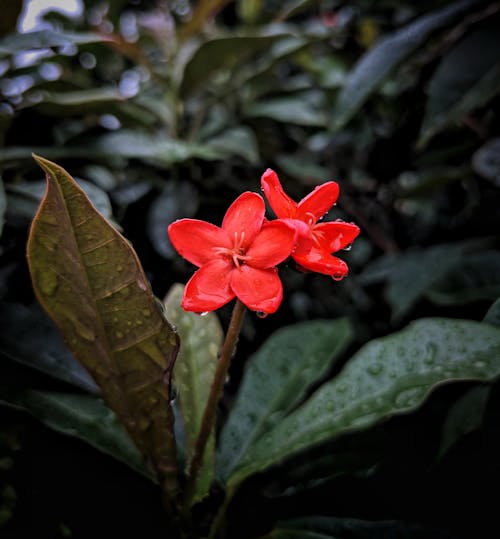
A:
[48,282]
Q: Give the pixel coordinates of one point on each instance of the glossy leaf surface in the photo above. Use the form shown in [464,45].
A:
[387,376]
[277,378]
[89,280]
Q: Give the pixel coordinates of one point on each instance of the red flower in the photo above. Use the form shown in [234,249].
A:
[237,259]
[315,241]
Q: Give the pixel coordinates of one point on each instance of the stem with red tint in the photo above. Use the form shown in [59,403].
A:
[209,415]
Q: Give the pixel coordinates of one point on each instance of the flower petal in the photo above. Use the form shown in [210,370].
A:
[195,240]
[244,218]
[272,245]
[258,289]
[318,202]
[335,235]
[322,261]
[282,205]
[208,289]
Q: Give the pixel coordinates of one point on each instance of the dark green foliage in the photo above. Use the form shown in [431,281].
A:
[398,102]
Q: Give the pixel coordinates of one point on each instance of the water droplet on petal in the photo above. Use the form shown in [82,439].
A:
[348,247]
[337,276]
[261,314]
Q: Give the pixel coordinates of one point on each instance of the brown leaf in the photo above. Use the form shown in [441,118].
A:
[90,281]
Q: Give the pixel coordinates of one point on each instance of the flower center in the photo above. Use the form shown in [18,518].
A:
[236,253]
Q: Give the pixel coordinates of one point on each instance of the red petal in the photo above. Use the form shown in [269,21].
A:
[195,240]
[244,218]
[319,201]
[273,244]
[208,289]
[335,235]
[258,289]
[280,202]
[322,261]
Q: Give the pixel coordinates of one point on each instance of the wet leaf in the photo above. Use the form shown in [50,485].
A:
[82,416]
[89,279]
[277,378]
[389,51]
[178,199]
[467,77]
[30,338]
[387,376]
[465,416]
[201,340]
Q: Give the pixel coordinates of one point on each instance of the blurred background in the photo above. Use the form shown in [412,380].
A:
[170,109]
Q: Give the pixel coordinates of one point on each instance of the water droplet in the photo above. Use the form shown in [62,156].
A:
[348,247]
[342,388]
[119,335]
[480,364]
[409,398]
[48,218]
[261,314]
[204,313]
[84,331]
[48,282]
[431,350]
[337,276]
[146,312]
[119,268]
[375,368]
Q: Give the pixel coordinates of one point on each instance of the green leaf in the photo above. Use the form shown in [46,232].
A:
[125,144]
[24,198]
[201,338]
[29,337]
[476,278]
[218,55]
[42,39]
[82,416]
[80,101]
[465,416]
[277,378]
[389,52]
[387,376]
[292,110]
[90,281]
[236,141]
[467,77]
[178,199]
[493,315]
[323,527]
[412,273]
[3,206]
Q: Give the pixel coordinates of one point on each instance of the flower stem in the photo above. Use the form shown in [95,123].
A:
[209,415]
